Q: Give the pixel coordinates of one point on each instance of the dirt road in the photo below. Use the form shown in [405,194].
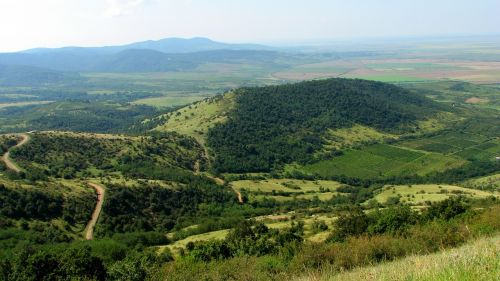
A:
[6,157]
[89,230]
[240,197]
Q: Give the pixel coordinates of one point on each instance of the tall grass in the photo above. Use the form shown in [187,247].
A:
[325,261]
[479,260]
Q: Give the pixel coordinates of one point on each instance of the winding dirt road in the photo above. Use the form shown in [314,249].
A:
[89,229]
[6,157]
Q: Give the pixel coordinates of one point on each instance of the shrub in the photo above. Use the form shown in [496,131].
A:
[349,224]
[393,220]
[446,209]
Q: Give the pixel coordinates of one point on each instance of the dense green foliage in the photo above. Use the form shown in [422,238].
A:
[417,234]
[20,203]
[82,116]
[249,238]
[160,155]
[274,125]
[95,260]
[149,207]
[6,142]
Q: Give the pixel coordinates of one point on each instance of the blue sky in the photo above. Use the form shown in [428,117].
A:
[54,23]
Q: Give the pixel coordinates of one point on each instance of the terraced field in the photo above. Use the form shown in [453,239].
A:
[464,145]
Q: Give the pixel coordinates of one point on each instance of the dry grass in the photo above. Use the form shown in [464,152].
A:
[479,260]
[356,134]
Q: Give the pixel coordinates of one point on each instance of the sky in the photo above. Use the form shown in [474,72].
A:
[27,24]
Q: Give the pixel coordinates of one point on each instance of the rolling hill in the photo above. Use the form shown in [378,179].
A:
[170,54]
[166,45]
[267,127]
[21,75]
[132,60]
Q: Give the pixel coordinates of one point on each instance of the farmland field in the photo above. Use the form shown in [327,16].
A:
[383,160]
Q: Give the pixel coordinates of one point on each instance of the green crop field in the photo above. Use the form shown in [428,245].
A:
[382,160]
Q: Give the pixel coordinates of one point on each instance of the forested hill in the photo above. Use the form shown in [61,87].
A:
[273,125]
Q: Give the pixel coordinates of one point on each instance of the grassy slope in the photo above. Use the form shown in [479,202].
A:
[420,193]
[492,181]
[195,120]
[475,261]
[302,189]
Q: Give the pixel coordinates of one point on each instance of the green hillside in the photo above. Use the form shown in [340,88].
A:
[271,126]
[259,183]
[166,156]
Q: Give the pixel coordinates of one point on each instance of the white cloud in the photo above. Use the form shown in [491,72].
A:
[117,8]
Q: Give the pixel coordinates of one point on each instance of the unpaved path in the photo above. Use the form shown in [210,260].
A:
[6,157]
[240,197]
[89,230]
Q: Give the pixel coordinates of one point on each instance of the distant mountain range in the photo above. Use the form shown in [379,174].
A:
[167,45]
[170,54]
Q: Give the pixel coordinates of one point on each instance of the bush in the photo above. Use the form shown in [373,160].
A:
[349,224]
[446,209]
[393,220]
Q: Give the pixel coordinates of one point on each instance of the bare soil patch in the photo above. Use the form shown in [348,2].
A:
[475,100]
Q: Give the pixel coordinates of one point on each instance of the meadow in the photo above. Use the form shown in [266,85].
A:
[286,189]
[425,194]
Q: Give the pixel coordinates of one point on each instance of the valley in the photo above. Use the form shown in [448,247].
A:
[247,164]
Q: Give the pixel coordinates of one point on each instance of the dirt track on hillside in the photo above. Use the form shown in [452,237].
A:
[89,230]
[217,180]
[6,157]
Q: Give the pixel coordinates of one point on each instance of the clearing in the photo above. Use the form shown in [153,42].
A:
[419,194]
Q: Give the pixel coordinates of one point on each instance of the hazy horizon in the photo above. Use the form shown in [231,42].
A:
[26,24]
